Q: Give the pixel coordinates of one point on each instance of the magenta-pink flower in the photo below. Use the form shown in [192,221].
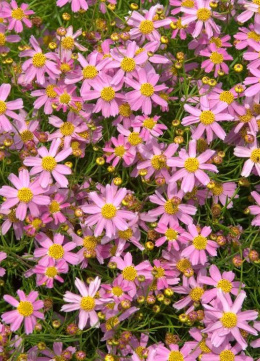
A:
[253,153]
[255,210]
[176,353]
[86,303]
[47,164]
[76,5]
[6,108]
[3,256]
[26,194]
[27,310]
[17,16]
[216,59]
[225,320]
[193,167]
[47,273]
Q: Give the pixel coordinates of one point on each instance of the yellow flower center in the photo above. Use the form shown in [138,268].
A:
[257,2]
[139,51]
[187,3]
[2,39]
[134,138]
[149,123]
[227,97]
[54,207]
[203,14]
[120,151]
[117,291]
[229,319]
[50,92]
[67,129]
[200,242]
[89,72]
[25,308]
[65,98]
[37,223]
[158,162]
[226,355]
[108,211]
[107,94]
[84,135]
[51,272]
[65,68]
[183,264]
[216,57]
[56,251]
[175,356]
[164,96]
[147,89]
[224,285]
[112,322]
[67,43]
[207,117]
[25,195]
[196,294]
[3,107]
[146,27]
[139,351]
[217,41]
[18,14]
[255,155]
[128,64]
[158,272]
[26,135]
[253,35]
[191,164]
[171,234]
[125,110]
[48,163]
[12,216]
[39,60]
[204,348]
[246,117]
[87,303]
[90,242]
[125,234]
[129,273]
[170,207]
[217,190]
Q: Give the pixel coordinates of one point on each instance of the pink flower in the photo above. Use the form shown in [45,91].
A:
[55,250]
[255,210]
[68,42]
[122,150]
[6,108]
[27,310]
[145,91]
[55,208]
[216,59]
[47,164]
[3,256]
[193,167]
[228,352]
[252,8]
[164,275]
[86,303]
[208,118]
[46,274]
[173,234]
[149,127]
[105,211]
[255,80]
[225,282]
[175,353]
[45,96]
[57,352]
[118,290]
[66,97]
[225,320]
[253,153]
[6,39]
[27,194]
[39,64]
[223,192]
[76,5]
[17,16]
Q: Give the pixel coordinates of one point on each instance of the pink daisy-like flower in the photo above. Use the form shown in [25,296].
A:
[254,81]
[193,167]
[26,194]
[252,8]
[255,210]
[227,97]
[145,27]
[86,303]
[225,282]
[175,353]
[196,252]
[252,55]
[173,234]
[171,208]
[253,153]
[6,108]
[216,59]
[163,274]
[3,256]
[226,353]
[76,5]
[118,290]
[66,97]
[208,118]
[202,15]
[46,274]
[57,353]
[245,35]
[27,310]
[145,91]
[45,96]
[4,38]
[55,249]
[68,42]
[149,127]
[105,211]
[47,164]
[225,321]
[39,64]
[17,16]
[223,192]
[57,204]
[122,150]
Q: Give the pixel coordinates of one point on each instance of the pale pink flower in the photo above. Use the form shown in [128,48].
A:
[216,59]
[253,153]
[76,5]
[47,273]
[6,108]
[16,16]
